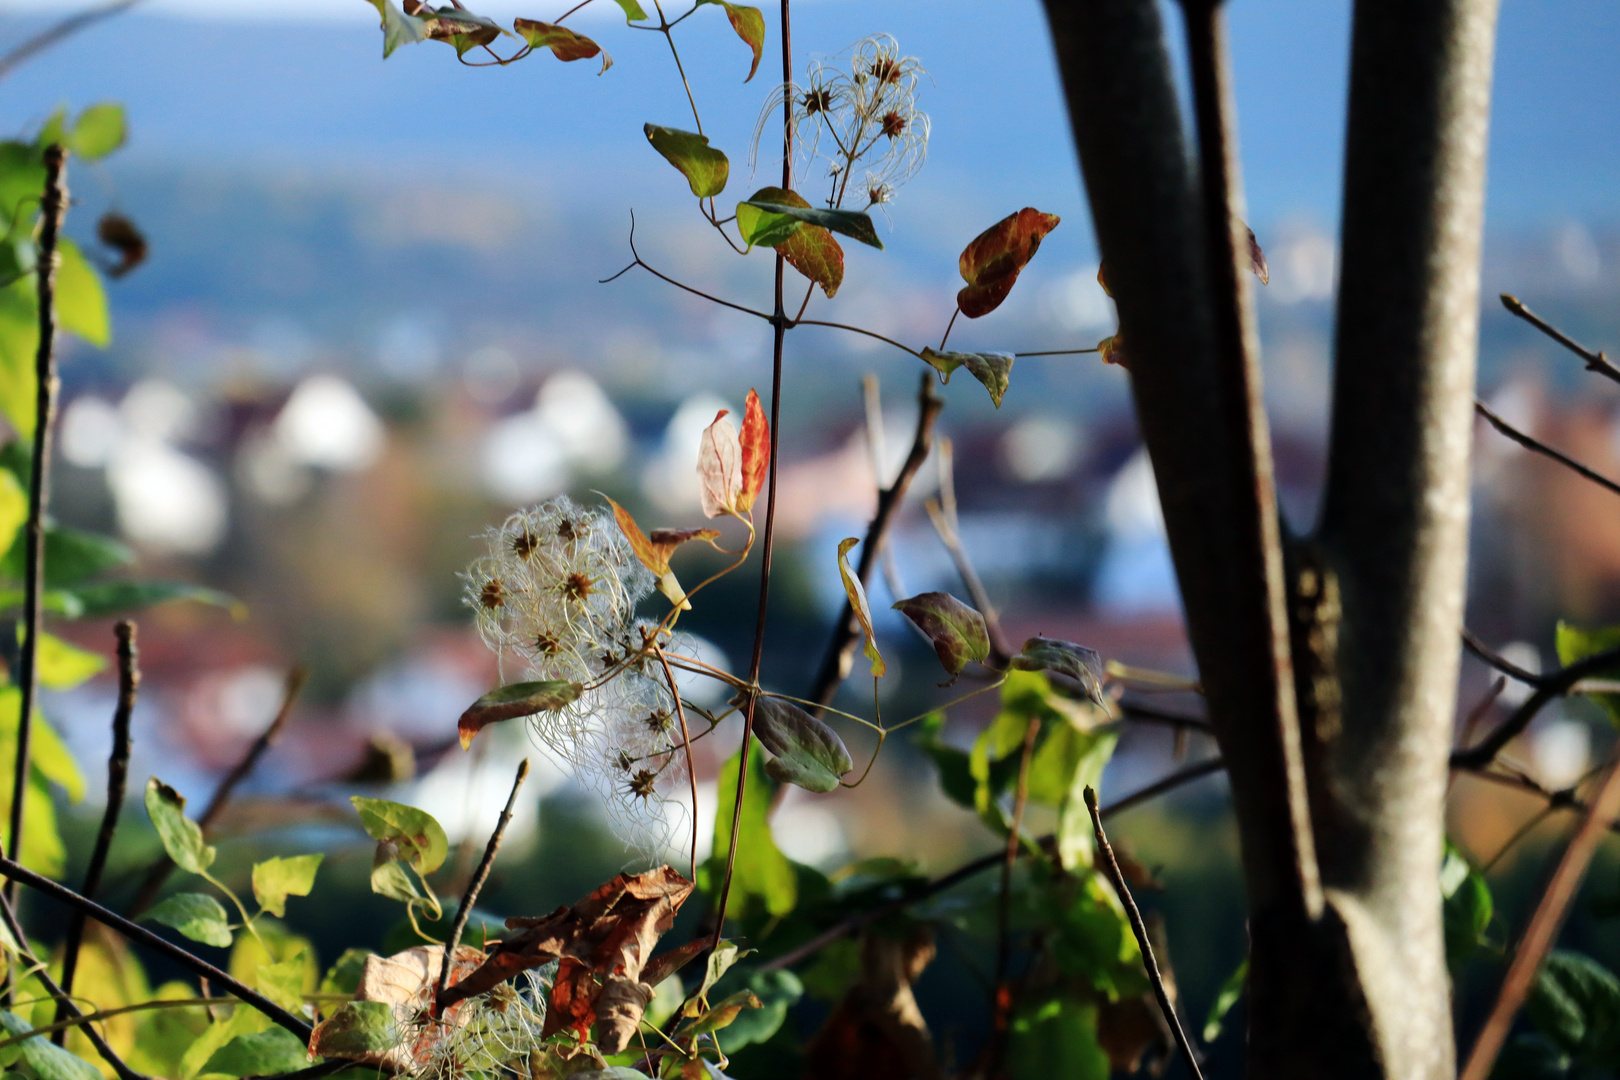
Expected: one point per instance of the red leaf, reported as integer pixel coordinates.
(572, 996)
(756, 451)
(992, 262)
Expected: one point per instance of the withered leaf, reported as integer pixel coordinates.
(1079, 663)
(992, 262)
(993, 369)
(808, 752)
(756, 451)
(957, 631)
(1257, 259)
(513, 700)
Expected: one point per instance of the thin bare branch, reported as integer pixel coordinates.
(1543, 449)
(1111, 868)
(942, 513)
(59, 32)
(1554, 684)
(1595, 361)
(481, 875)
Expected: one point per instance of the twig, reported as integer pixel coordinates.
(1595, 361)
(481, 875)
(112, 920)
(835, 661)
(1147, 714)
(9, 915)
(877, 452)
(978, 866)
(1542, 448)
(686, 744)
(1547, 687)
(66, 28)
(58, 1026)
(1003, 995)
(160, 871)
(1544, 924)
(53, 207)
(1111, 868)
(129, 681)
(942, 512)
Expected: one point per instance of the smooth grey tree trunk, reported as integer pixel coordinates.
(1328, 662)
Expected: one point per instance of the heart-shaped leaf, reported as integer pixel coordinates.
(993, 369)
(512, 700)
(853, 223)
(274, 1050)
(1079, 663)
(181, 837)
(750, 26)
(399, 28)
(197, 915)
(809, 249)
(276, 879)
(992, 262)
(705, 168)
(857, 602)
(807, 752)
(417, 837)
(957, 631)
(564, 44)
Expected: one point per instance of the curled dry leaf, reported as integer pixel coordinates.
(1257, 259)
(857, 602)
(877, 1032)
(756, 452)
(405, 983)
(655, 551)
(807, 752)
(993, 369)
(513, 700)
(1079, 663)
(957, 631)
(720, 467)
(126, 240)
(606, 938)
(1112, 351)
(992, 262)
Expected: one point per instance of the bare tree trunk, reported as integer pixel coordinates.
(1343, 760)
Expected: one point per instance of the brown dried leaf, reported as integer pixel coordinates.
(992, 262)
(1257, 259)
(877, 1032)
(406, 982)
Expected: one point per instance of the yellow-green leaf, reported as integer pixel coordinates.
(13, 508)
(857, 602)
(419, 838)
(98, 131)
(276, 879)
(62, 666)
(181, 837)
(705, 168)
(81, 303)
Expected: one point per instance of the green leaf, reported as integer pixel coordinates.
(762, 880)
(355, 1029)
(955, 771)
(56, 601)
(1079, 663)
(705, 168)
(121, 597)
(807, 752)
(766, 228)
(993, 369)
(1079, 756)
(14, 512)
(98, 131)
(343, 977)
(181, 837)
(1227, 996)
(750, 26)
(514, 700)
(81, 303)
(1576, 644)
(71, 556)
(857, 603)
(1053, 1038)
(776, 992)
(19, 340)
(62, 666)
(1576, 1003)
(721, 958)
(957, 631)
(632, 11)
(852, 223)
(197, 915)
(45, 1060)
(276, 879)
(420, 839)
(399, 28)
(1467, 907)
(272, 1051)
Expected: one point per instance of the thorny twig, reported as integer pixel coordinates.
(835, 661)
(1595, 361)
(160, 872)
(1111, 867)
(1544, 924)
(129, 681)
(1542, 448)
(112, 920)
(481, 875)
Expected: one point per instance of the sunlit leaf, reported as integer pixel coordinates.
(343, 977)
(1055, 1037)
(957, 631)
(81, 303)
(61, 666)
(276, 879)
(815, 253)
(98, 131)
(71, 555)
(1467, 906)
(460, 27)
(356, 1029)
(767, 228)
(181, 837)
(1112, 351)
(992, 262)
(1227, 996)
(807, 752)
(993, 369)
(719, 467)
(654, 551)
(197, 915)
(19, 342)
(857, 602)
(45, 1060)
(513, 700)
(756, 452)
(564, 44)
(1102, 279)
(1574, 644)
(705, 168)
(721, 959)
(852, 223)
(1079, 663)
(763, 880)
(274, 1050)
(750, 26)
(419, 838)
(13, 512)
(632, 11)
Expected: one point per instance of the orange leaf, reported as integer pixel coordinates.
(817, 254)
(857, 603)
(756, 452)
(651, 556)
(992, 262)
(573, 994)
(654, 551)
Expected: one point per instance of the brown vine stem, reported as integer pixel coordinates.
(160, 872)
(1595, 361)
(1552, 685)
(64, 1003)
(967, 871)
(686, 744)
(1544, 924)
(53, 207)
(60, 31)
(779, 323)
(481, 875)
(1003, 1000)
(129, 681)
(1539, 447)
(835, 661)
(113, 921)
(1111, 868)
